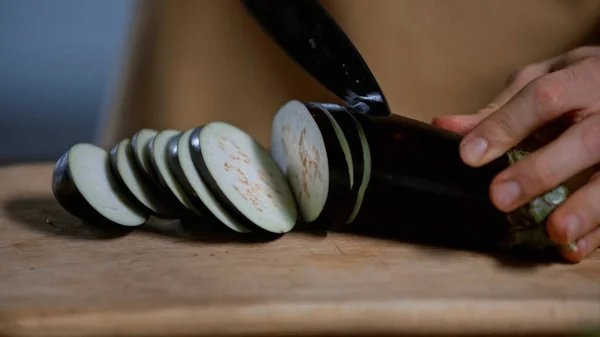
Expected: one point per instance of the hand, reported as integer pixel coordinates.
(556, 101)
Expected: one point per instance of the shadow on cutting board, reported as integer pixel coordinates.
(443, 242)
(45, 215)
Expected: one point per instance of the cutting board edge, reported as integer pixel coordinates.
(352, 317)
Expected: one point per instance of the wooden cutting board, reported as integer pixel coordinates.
(58, 278)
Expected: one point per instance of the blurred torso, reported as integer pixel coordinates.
(204, 60)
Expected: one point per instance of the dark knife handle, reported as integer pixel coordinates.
(310, 36)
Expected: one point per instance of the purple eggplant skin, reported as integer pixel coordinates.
(344, 120)
(70, 199)
(177, 171)
(213, 187)
(172, 210)
(341, 196)
(420, 185)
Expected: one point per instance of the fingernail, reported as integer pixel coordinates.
(473, 150)
(507, 193)
(571, 227)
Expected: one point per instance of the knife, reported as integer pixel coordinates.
(310, 36)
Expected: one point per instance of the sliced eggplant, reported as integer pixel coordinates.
(139, 147)
(366, 172)
(306, 148)
(127, 172)
(83, 184)
(158, 162)
(355, 148)
(243, 178)
(180, 162)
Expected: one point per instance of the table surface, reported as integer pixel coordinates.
(58, 277)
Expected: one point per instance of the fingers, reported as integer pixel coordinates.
(460, 124)
(577, 216)
(539, 102)
(517, 81)
(463, 124)
(574, 151)
(584, 247)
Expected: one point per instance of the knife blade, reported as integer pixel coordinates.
(310, 35)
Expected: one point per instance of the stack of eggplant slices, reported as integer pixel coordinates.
(316, 172)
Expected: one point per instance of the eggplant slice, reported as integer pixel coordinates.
(244, 179)
(139, 147)
(306, 148)
(127, 172)
(366, 172)
(83, 184)
(354, 149)
(158, 160)
(180, 162)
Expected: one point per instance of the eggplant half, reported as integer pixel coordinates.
(83, 184)
(243, 178)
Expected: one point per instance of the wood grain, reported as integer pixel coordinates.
(59, 277)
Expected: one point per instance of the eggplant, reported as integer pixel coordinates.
(180, 162)
(243, 178)
(420, 184)
(130, 175)
(158, 162)
(311, 155)
(83, 184)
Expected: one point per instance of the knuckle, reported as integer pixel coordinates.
(546, 94)
(500, 130)
(539, 176)
(590, 136)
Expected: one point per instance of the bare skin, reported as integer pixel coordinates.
(556, 101)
